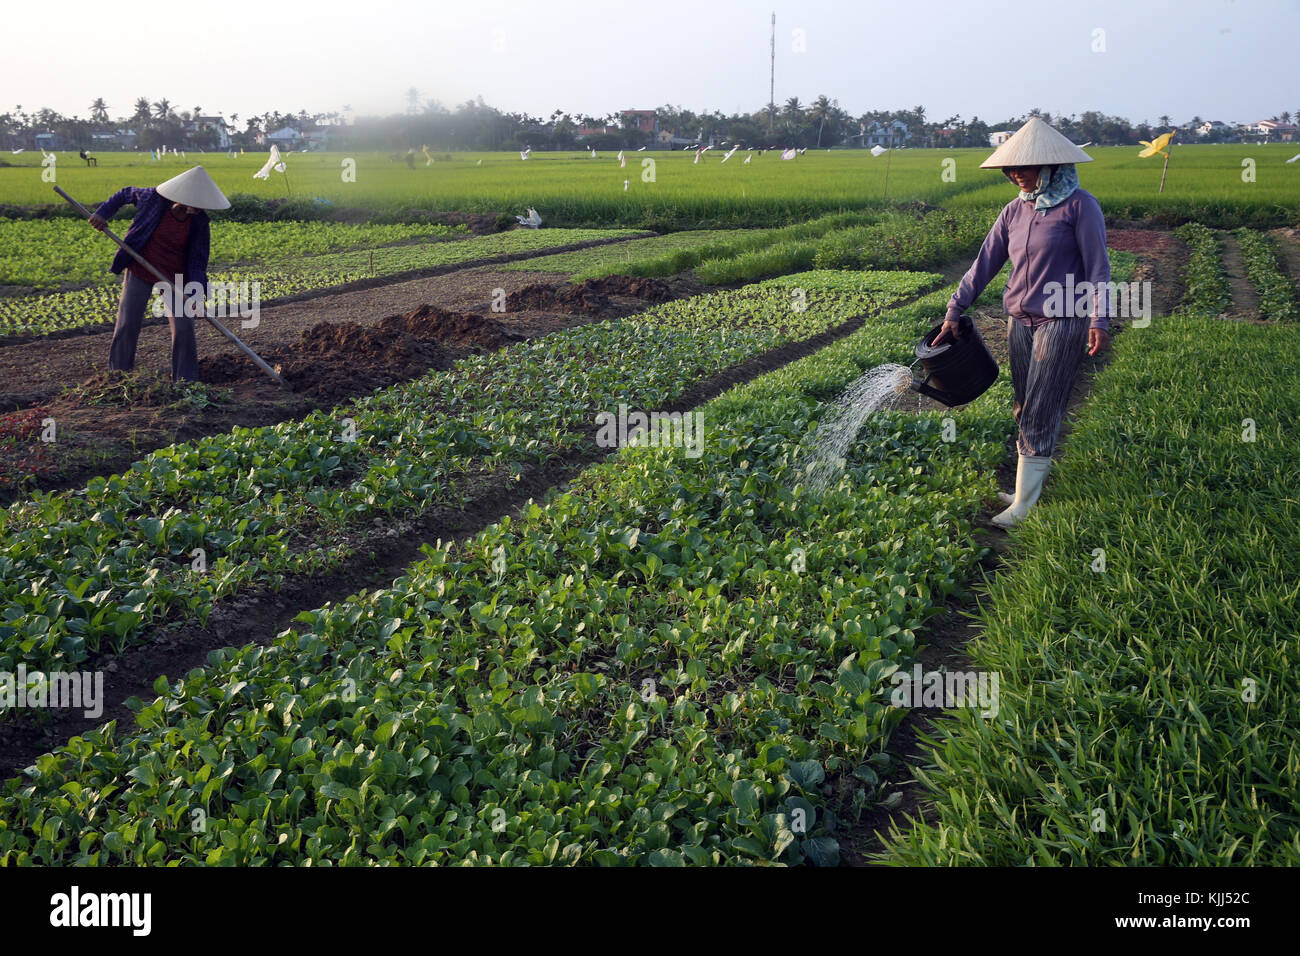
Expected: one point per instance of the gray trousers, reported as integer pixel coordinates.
(1044, 364)
(130, 315)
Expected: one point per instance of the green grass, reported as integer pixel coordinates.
(897, 240)
(1148, 713)
(570, 189)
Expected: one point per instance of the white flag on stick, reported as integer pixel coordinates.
(274, 162)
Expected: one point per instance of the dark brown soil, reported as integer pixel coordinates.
(1245, 300)
(329, 350)
(396, 289)
(592, 296)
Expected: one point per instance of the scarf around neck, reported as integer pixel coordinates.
(1060, 182)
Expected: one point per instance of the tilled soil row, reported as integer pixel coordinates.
(108, 420)
(379, 554)
(356, 285)
(1245, 300)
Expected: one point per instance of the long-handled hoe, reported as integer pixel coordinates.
(257, 359)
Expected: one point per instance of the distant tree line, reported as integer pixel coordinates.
(474, 125)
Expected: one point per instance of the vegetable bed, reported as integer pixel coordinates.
(1277, 293)
(46, 252)
(89, 571)
(638, 671)
(1148, 711)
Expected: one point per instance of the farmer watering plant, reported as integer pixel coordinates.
(1055, 236)
(171, 232)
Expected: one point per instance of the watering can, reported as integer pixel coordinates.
(958, 371)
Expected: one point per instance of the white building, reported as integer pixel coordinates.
(284, 136)
(1273, 130)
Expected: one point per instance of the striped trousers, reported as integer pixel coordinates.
(1045, 361)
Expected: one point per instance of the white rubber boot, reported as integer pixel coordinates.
(1031, 471)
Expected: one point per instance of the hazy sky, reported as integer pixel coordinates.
(1221, 59)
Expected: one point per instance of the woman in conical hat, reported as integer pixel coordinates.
(1055, 236)
(171, 231)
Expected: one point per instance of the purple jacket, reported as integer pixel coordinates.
(149, 209)
(1065, 244)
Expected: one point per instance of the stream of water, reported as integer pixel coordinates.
(836, 434)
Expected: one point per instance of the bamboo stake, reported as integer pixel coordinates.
(1168, 152)
(257, 359)
(888, 159)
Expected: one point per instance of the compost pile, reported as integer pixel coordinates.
(591, 296)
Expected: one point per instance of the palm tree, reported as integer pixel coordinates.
(792, 111)
(917, 120)
(819, 111)
(141, 110)
(1286, 117)
(162, 109)
(198, 111)
(99, 110)
(1164, 120)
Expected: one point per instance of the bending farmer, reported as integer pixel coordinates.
(1055, 236)
(170, 230)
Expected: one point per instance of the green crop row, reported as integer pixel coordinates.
(668, 664)
(88, 571)
(39, 314)
(1145, 633)
(1207, 282)
(896, 241)
(652, 256)
(677, 252)
(1277, 293)
(47, 252)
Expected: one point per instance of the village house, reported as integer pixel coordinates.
(1274, 131)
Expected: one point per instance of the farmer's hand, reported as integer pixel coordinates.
(949, 331)
(1098, 339)
(98, 221)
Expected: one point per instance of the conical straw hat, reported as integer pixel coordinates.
(194, 187)
(1036, 144)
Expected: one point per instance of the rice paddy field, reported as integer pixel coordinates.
(571, 189)
(413, 609)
